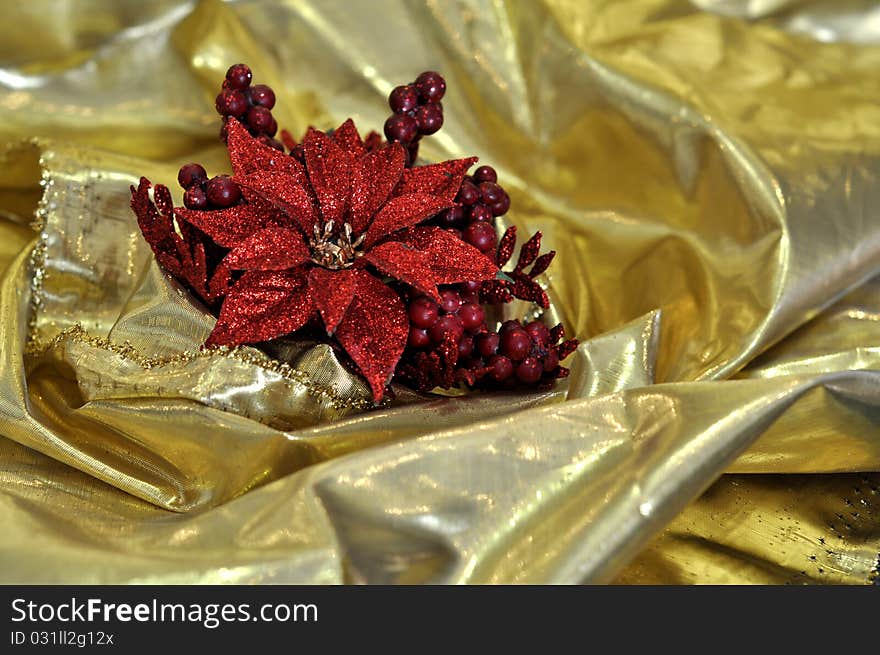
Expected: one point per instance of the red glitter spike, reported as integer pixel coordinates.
(506, 246)
(373, 141)
(542, 263)
(332, 292)
(402, 212)
(374, 331)
(286, 194)
(288, 140)
(228, 227)
(270, 249)
(329, 169)
(247, 155)
(451, 259)
(346, 137)
(263, 305)
(407, 264)
(373, 178)
(443, 179)
(528, 252)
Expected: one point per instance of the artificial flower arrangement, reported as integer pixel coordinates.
(393, 261)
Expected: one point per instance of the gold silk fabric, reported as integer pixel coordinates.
(709, 174)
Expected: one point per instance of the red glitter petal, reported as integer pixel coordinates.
(407, 264)
(542, 263)
(284, 192)
(443, 179)
(373, 178)
(329, 168)
(506, 246)
(229, 227)
(528, 252)
(374, 331)
(401, 212)
(157, 228)
(332, 292)
(247, 155)
(452, 260)
(271, 249)
(288, 140)
(347, 138)
(263, 305)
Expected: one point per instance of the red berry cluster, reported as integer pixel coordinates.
(479, 202)
(251, 105)
(219, 192)
(417, 111)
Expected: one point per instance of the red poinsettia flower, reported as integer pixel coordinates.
(322, 237)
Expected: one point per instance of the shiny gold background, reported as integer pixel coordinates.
(707, 171)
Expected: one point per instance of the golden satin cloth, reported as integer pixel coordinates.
(708, 173)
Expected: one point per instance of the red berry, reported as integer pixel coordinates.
(190, 174)
(423, 312)
(551, 361)
(485, 174)
(480, 212)
(259, 119)
(238, 76)
(222, 191)
(516, 344)
(418, 338)
(509, 325)
(431, 86)
(468, 194)
(500, 208)
(487, 344)
(470, 298)
(262, 96)
(449, 324)
(529, 370)
(480, 235)
(490, 192)
(429, 118)
(231, 103)
(450, 217)
(450, 301)
(502, 368)
(472, 316)
(538, 332)
(195, 198)
(465, 346)
(472, 286)
(401, 127)
(403, 99)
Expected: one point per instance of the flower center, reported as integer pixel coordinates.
(334, 251)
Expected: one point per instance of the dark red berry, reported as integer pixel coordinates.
(431, 86)
(470, 297)
(516, 344)
(273, 128)
(551, 361)
(465, 346)
(450, 217)
(259, 119)
(538, 332)
(529, 370)
(190, 174)
(403, 99)
(450, 301)
(487, 344)
(423, 312)
(468, 194)
(471, 286)
(472, 316)
(509, 325)
(238, 76)
(502, 368)
(490, 193)
(480, 235)
(231, 103)
(401, 127)
(449, 324)
(485, 174)
(480, 212)
(500, 208)
(429, 118)
(222, 191)
(195, 198)
(262, 96)
(418, 338)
